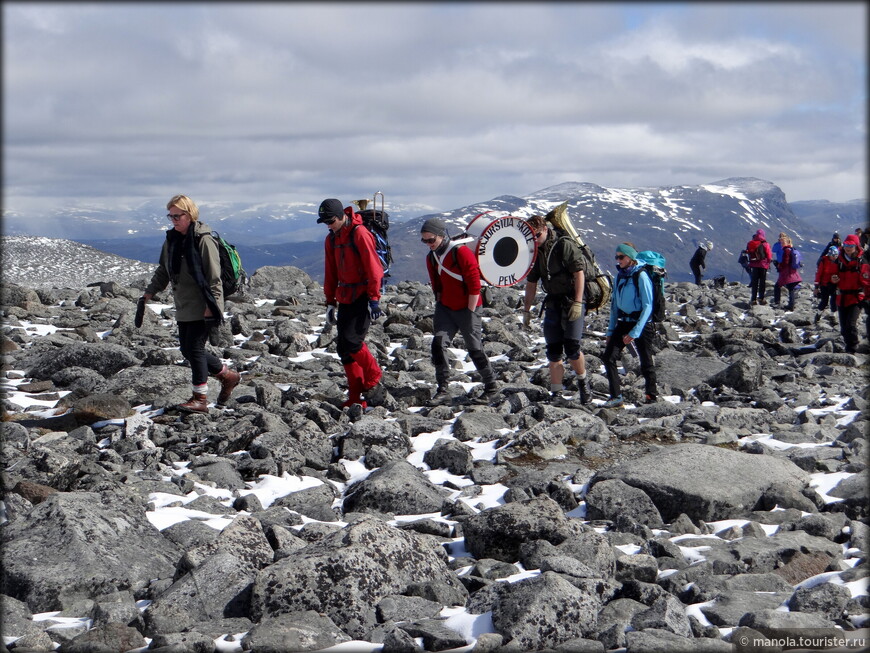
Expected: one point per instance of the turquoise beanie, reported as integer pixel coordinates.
(628, 250)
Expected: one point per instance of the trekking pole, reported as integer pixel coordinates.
(375, 201)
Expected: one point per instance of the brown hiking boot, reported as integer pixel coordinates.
(229, 380)
(196, 404)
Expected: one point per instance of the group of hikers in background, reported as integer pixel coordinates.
(841, 283)
(191, 262)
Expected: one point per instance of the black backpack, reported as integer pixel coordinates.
(377, 221)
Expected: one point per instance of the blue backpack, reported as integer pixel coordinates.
(796, 259)
(654, 265)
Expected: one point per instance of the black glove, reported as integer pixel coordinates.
(140, 312)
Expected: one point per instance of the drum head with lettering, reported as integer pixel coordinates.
(505, 247)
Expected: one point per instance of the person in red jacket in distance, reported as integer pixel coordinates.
(825, 289)
(352, 285)
(455, 277)
(850, 290)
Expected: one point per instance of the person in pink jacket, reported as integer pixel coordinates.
(789, 276)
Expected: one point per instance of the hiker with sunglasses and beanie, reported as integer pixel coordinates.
(631, 306)
(352, 285)
(455, 277)
(190, 261)
(559, 266)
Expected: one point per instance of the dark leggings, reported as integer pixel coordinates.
(613, 351)
(849, 325)
(758, 281)
(192, 337)
(828, 296)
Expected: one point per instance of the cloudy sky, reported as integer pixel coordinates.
(439, 105)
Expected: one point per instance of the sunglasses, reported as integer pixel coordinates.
(175, 217)
(428, 241)
(329, 221)
(619, 257)
(538, 234)
(849, 245)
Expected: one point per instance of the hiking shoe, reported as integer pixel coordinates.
(614, 402)
(350, 404)
(817, 318)
(763, 302)
(229, 380)
(755, 302)
(376, 395)
(650, 399)
(441, 396)
(585, 391)
(196, 404)
(490, 390)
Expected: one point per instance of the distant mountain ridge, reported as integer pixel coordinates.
(671, 220)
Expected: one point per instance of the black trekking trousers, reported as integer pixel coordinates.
(192, 337)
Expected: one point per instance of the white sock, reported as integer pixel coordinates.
(581, 376)
(201, 389)
(556, 387)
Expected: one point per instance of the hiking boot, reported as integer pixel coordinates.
(197, 403)
(376, 395)
(441, 396)
(614, 402)
(490, 390)
(817, 318)
(763, 302)
(350, 404)
(585, 391)
(229, 380)
(650, 399)
(755, 302)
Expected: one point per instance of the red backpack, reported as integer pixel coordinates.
(756, 250)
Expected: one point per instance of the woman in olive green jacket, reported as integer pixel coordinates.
(190, 261)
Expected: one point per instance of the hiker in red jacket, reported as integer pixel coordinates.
(455, 276)
(825, 289)
(865, 284)
(850, 290)
(352, 285)
(759, 263)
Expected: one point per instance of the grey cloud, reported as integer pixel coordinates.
(443, 103)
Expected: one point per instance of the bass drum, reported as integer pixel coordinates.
(504, 245)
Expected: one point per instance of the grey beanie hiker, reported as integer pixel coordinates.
(435, 226)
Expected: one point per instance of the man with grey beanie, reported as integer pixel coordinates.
(455, 276)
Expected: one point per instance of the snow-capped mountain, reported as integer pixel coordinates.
(39, 262)
(670, 220)
(249, 224)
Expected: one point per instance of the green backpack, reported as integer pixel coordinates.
(233, 275)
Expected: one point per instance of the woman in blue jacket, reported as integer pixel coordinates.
(630, 325)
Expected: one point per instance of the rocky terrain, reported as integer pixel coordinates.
(736, 507)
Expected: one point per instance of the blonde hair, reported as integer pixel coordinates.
(186, 204)
(786, 241)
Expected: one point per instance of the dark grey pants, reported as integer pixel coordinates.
(448, 323)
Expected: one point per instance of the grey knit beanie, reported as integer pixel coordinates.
(435, 226)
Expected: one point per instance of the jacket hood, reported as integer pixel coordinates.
(355, 218)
